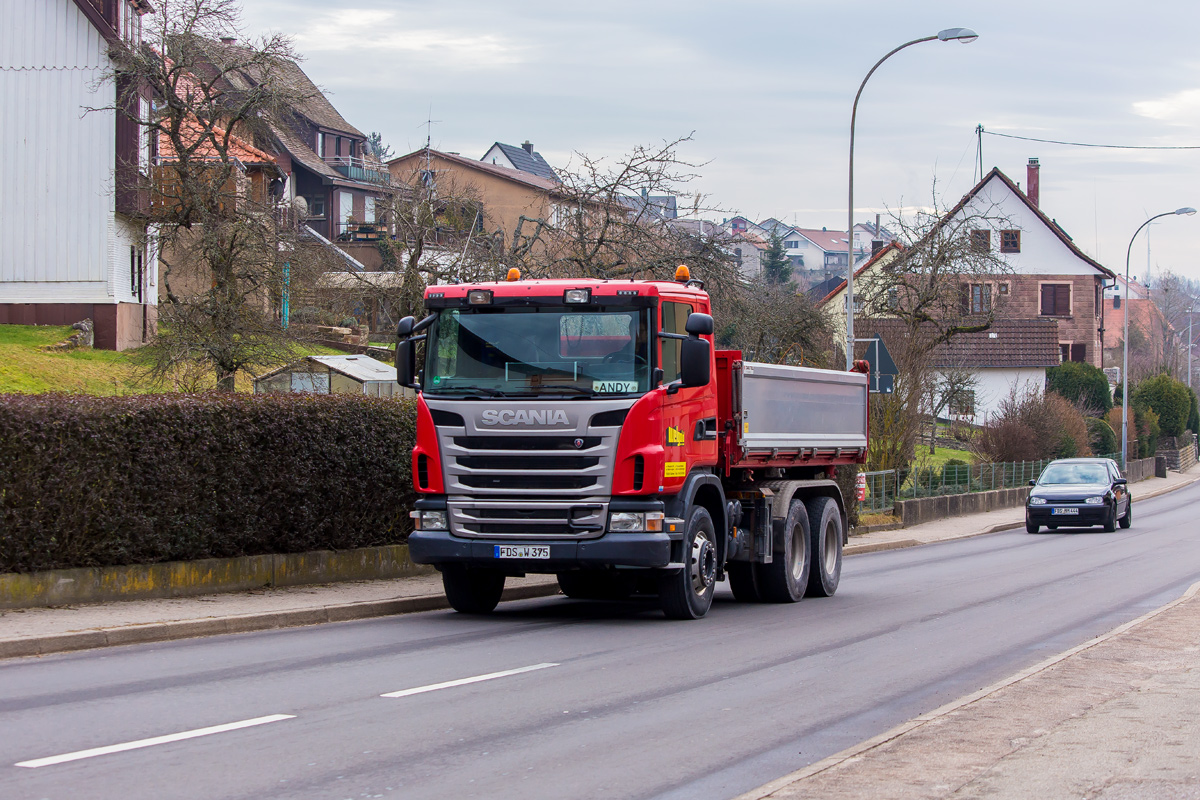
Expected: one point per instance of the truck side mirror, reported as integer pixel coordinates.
(695, 360)
(406, 349)
(699, 325)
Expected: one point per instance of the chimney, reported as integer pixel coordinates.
(527, 146)
(1032, 183)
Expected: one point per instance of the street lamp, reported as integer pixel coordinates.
(963, 35)
(1125, 354)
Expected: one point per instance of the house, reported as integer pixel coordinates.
(506, 194)
(1049, 276)
(869, 238)
(522, 159)
(323, 158)
(1011, 356)
(833, 301)
(76, 244)
(333, 375)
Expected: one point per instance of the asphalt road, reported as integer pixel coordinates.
(617, 701)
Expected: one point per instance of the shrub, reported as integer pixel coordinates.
(1168, 398)
(1082, 384)
(99, 481)
(1102, 437)
(1033, 426)
(1148, 431)
(1194, 414)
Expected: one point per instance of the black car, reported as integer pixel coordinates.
(1079, 492)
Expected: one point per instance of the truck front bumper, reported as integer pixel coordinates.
(613, 549)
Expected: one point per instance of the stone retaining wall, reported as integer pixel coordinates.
(204, 576)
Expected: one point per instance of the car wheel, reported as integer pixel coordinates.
(1030, 527)
(1127, 520)
(1110, 522)
(688, 593)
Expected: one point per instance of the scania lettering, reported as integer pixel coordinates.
(590, 430)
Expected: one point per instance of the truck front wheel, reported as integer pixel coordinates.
(688, 593)
(472, 591)
(825, 519)
(785, 579)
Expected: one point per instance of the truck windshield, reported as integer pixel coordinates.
(540, 350)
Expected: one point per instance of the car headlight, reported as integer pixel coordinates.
(1037, 501)
(1094, 501)
(635, 521)
(429, 520)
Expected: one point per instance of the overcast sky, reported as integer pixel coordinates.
(767, 88)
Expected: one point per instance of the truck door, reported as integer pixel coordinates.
(689, 415)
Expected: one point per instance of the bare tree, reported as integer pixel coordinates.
(607, 220)
(771, 322)
(943, 284)
(210, 206)
(1174, 296)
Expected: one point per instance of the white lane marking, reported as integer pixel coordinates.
(172, 737)
(433, 687)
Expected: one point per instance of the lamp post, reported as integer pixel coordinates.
(963, 35)
(1125, 354)
(1191, 311)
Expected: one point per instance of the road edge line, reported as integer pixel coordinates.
(921, 720)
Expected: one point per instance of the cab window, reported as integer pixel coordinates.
(674, 320)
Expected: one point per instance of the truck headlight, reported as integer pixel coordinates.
(635, 521)
(1094, 501)
(429, 520)
(1037, 501)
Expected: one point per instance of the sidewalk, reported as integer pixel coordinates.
(39, 631)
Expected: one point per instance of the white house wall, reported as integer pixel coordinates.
(57, 170)
(996, 384)
(1042, 252)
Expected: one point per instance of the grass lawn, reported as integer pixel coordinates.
(941, 455)
(27, 368)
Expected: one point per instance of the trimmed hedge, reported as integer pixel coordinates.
(1170, 400)
(101, 481)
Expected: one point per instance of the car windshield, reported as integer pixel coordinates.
(541, 350)
(1057, 474)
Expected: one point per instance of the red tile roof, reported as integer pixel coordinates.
(192, 132)
(1008, 344)
(515, 175)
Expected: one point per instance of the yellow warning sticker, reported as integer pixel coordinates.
(675, 469)
(745, 427)
(674, 436)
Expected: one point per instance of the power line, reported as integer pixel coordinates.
(980, 129)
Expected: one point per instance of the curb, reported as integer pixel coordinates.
(863, 748)
(242, 623)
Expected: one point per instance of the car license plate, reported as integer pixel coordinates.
(1061, 511)
(522, 551)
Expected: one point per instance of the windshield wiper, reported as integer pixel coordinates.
(477, 391)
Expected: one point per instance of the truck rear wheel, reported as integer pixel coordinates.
(825, 520)
(743, 581)
(688, 593)
(472, 591)
(785, 579)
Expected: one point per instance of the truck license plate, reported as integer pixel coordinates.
(522, 551)
(1060, 511)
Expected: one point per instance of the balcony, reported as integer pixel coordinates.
(358, 169)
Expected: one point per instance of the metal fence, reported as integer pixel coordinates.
(886, 487)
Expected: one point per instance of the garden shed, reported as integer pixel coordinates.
(357, 374)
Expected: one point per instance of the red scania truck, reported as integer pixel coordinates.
(589, 429)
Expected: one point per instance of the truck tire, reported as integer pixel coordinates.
(688, 593)
(1127, 520)
(825, 521)
(472, 591)
(743, 582)
(595, 584)
(785, 579)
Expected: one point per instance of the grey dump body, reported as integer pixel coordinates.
(798, 408)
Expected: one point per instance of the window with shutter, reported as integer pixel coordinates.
(1056, 300)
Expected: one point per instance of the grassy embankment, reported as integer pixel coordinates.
(26, 367)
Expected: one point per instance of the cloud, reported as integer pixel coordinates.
(1180, 108)
(357, 30)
